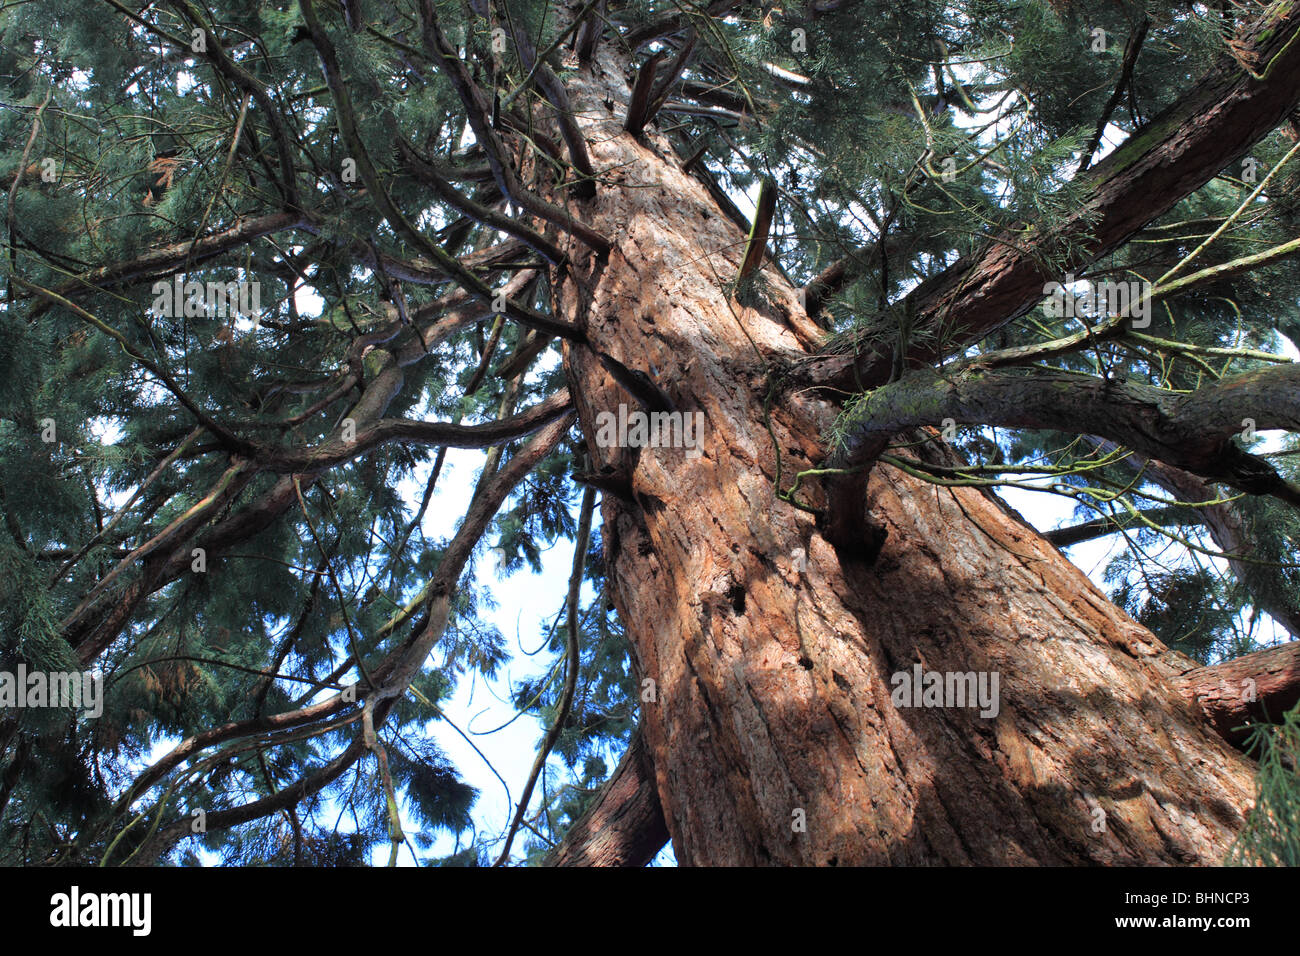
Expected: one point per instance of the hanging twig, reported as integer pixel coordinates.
(570, 673)
(1125, 79)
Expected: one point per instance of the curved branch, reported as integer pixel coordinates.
(242, 79)
(445, 434)
(1191, 431)
(166, 260)
(625, 825)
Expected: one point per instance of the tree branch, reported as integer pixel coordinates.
(428, 174)
(624, 826)
(558, 97)
(445, 434)
(1131, 51)
(1100, 527)
(394, 675)
(1191, 431)
(1223, 692)
(347, 124)
(1225, 524)
(1207, 129)
(502, 169)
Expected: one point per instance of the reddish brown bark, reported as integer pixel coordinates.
(1258, 687)
(625, 825)
(773, 657)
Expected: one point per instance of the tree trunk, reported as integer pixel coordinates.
(773, 736)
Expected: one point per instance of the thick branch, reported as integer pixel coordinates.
(1191, 431)
(1203, 132)
(756, 244)
(589, 33)
(1224, 692)
(638, 107)
(166, 260)
(624, 826)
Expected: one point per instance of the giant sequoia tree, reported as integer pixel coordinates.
(265, 260)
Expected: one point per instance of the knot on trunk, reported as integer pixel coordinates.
(724, 593)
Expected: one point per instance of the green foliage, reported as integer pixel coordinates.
(1271, 836)
(1184, 608)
